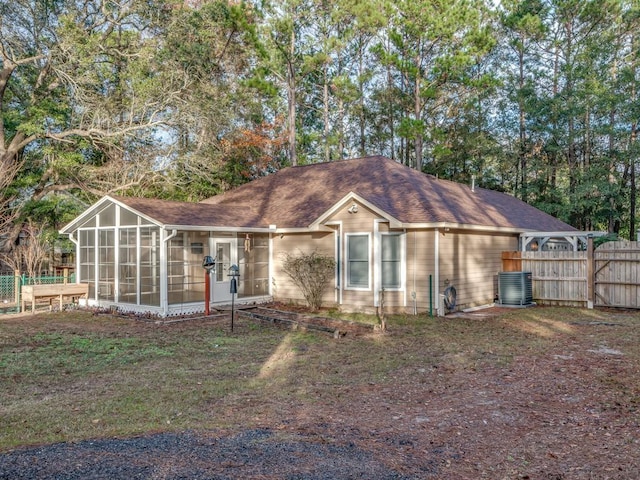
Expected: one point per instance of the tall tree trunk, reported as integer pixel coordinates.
(572, 160)
(341, 135)
(390, 111)
(522, 133)
(325, 113)
(632, 146)
(611, 227)
(362, 119)
(291, 98)
(632, 185)
(554, 126)
(417, 112)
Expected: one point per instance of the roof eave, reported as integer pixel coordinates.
(209, 228)
(563, 233)
(462, 226)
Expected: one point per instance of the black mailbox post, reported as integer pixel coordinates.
(209, 265)
(234, 273)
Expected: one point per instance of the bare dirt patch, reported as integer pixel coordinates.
(538, 394)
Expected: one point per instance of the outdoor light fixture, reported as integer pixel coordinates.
(234, 273)
(209, 265)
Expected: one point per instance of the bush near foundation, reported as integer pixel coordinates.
(312, 273)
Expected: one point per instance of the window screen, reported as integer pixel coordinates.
(391, 261)
(358, 261)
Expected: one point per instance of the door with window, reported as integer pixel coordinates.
(221, 282)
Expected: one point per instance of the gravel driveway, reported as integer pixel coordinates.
(252, 454)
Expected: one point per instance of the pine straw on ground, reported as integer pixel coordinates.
(544, 393)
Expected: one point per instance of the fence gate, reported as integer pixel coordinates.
(616, 272)
(559, 277)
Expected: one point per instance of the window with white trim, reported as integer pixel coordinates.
(358, 261)
(391, 260)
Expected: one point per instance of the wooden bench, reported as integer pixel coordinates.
(55, 290)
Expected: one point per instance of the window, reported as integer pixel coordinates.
(391, 253)
(253, 260)
(150, 266)
(106, 264)
(186, 275)
(128, 271)
(358, 261)
(108, 216)
(87, 241)
(128, 218)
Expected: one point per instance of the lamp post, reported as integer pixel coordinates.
(234, 273)
(209, 265)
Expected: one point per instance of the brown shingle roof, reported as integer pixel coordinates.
(168, 212)
(295, 197)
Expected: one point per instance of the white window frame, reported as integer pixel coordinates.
(401, 261)
(347, 273)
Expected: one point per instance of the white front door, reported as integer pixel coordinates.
(224, 256)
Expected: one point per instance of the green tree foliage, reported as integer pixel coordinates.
(214, 48)
(187, 98)
(81, 98)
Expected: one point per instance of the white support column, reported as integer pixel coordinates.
(436, 275)
(116, 256)
(376, 262)
(164, 259)
(138, 270)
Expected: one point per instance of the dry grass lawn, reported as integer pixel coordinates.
(532, 393)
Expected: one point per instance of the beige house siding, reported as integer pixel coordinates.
(471, 262)
(420, 264)
(282, 287)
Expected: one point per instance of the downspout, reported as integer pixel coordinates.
(436, 253)
(270, 282)
(173, 234)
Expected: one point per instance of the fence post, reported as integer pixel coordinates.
(16, 288)
(65, 275)
(590, 273)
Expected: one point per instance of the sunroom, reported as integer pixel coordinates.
(146, 256)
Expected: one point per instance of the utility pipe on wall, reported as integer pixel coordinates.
(436, 252)
(431, 295)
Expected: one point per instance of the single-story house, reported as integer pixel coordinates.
(388, 227)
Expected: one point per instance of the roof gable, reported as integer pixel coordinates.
(350, 198)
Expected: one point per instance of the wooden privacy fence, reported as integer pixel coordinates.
(558, 277)
(616, 271)
(608, 276)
